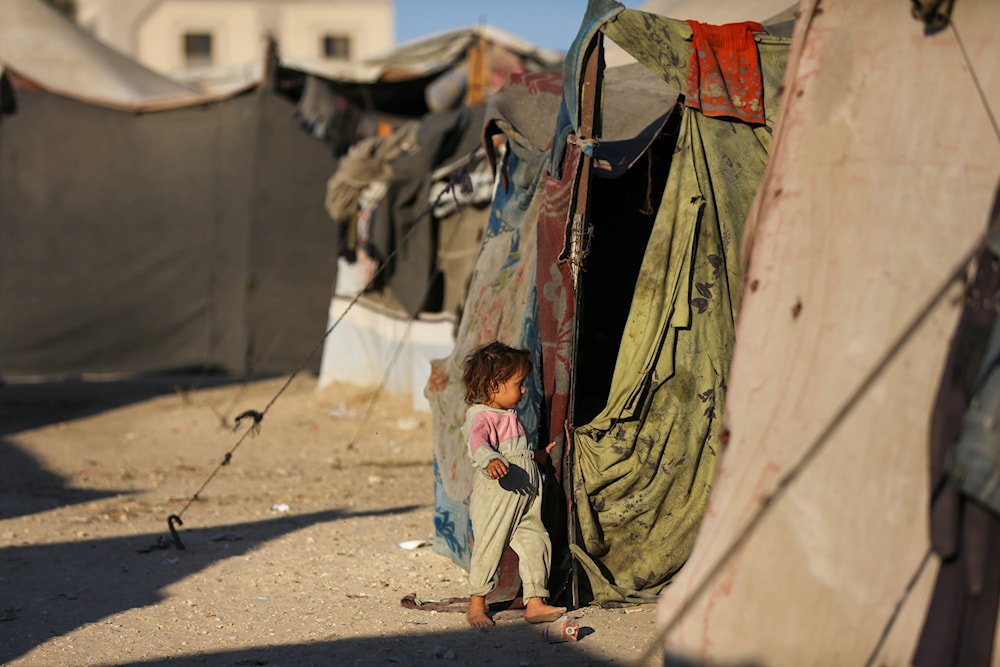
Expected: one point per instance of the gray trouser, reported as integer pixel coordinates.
(509, 511)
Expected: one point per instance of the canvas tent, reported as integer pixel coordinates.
(839, 531)
(612, 254)
(411, 230)
(393, 308)
(437, 73)
(148, 228)
(43, 47)
(398, 80)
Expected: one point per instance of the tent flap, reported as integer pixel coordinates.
(644, 465)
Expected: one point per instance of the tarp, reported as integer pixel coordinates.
(816, 548)
(427, 73)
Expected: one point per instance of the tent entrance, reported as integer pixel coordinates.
(622, 212)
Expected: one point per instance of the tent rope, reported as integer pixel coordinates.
(975, 80)
(369, 408)
(813, 450)
(898, 607)
(223, 416)
(459, 178)
(911, 584)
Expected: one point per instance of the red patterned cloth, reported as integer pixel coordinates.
(724, 71)
(556, 303)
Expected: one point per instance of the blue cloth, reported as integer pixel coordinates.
(507, 237)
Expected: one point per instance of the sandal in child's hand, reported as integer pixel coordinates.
(496, 469)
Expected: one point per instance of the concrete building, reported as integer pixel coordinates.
(188, 38)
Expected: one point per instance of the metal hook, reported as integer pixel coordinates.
(256, 416)
(173, 531)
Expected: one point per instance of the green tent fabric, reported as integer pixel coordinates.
(643, 466)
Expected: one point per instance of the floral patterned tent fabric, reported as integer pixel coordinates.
(500, 305)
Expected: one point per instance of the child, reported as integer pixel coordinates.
(505, 505)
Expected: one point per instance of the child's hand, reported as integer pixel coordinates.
(542, 455)
(496, 469)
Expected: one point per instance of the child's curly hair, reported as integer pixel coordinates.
(489, 367)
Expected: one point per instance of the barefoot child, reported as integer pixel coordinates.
(505, 505)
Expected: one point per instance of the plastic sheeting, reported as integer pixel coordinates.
(379, 347)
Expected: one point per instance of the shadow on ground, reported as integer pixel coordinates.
(500, 646)
(26, 486)
(464, 647)
(28, 405)
(49, 590)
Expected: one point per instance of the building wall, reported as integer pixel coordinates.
(235, 28)
(153, 31)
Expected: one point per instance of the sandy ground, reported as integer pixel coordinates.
(292, 551)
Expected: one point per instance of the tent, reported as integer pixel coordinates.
(147, 227)
(420, 75)
(612, 254)
(848, 523)
(411, 193)
(43, 47)
(394, 306)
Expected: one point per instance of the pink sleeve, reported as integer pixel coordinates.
(481, 435)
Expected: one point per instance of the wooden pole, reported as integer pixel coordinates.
(588, 135)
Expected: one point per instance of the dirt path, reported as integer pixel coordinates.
(292, 549)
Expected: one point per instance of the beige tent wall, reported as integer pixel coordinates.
(44, 46)
(880, 182)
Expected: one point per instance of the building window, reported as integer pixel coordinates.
(336, 47)
(197, 49)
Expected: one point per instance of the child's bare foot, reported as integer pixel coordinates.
(476, 615)
(478, 619)
(536, 611)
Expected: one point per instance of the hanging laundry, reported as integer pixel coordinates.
(724, 77)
